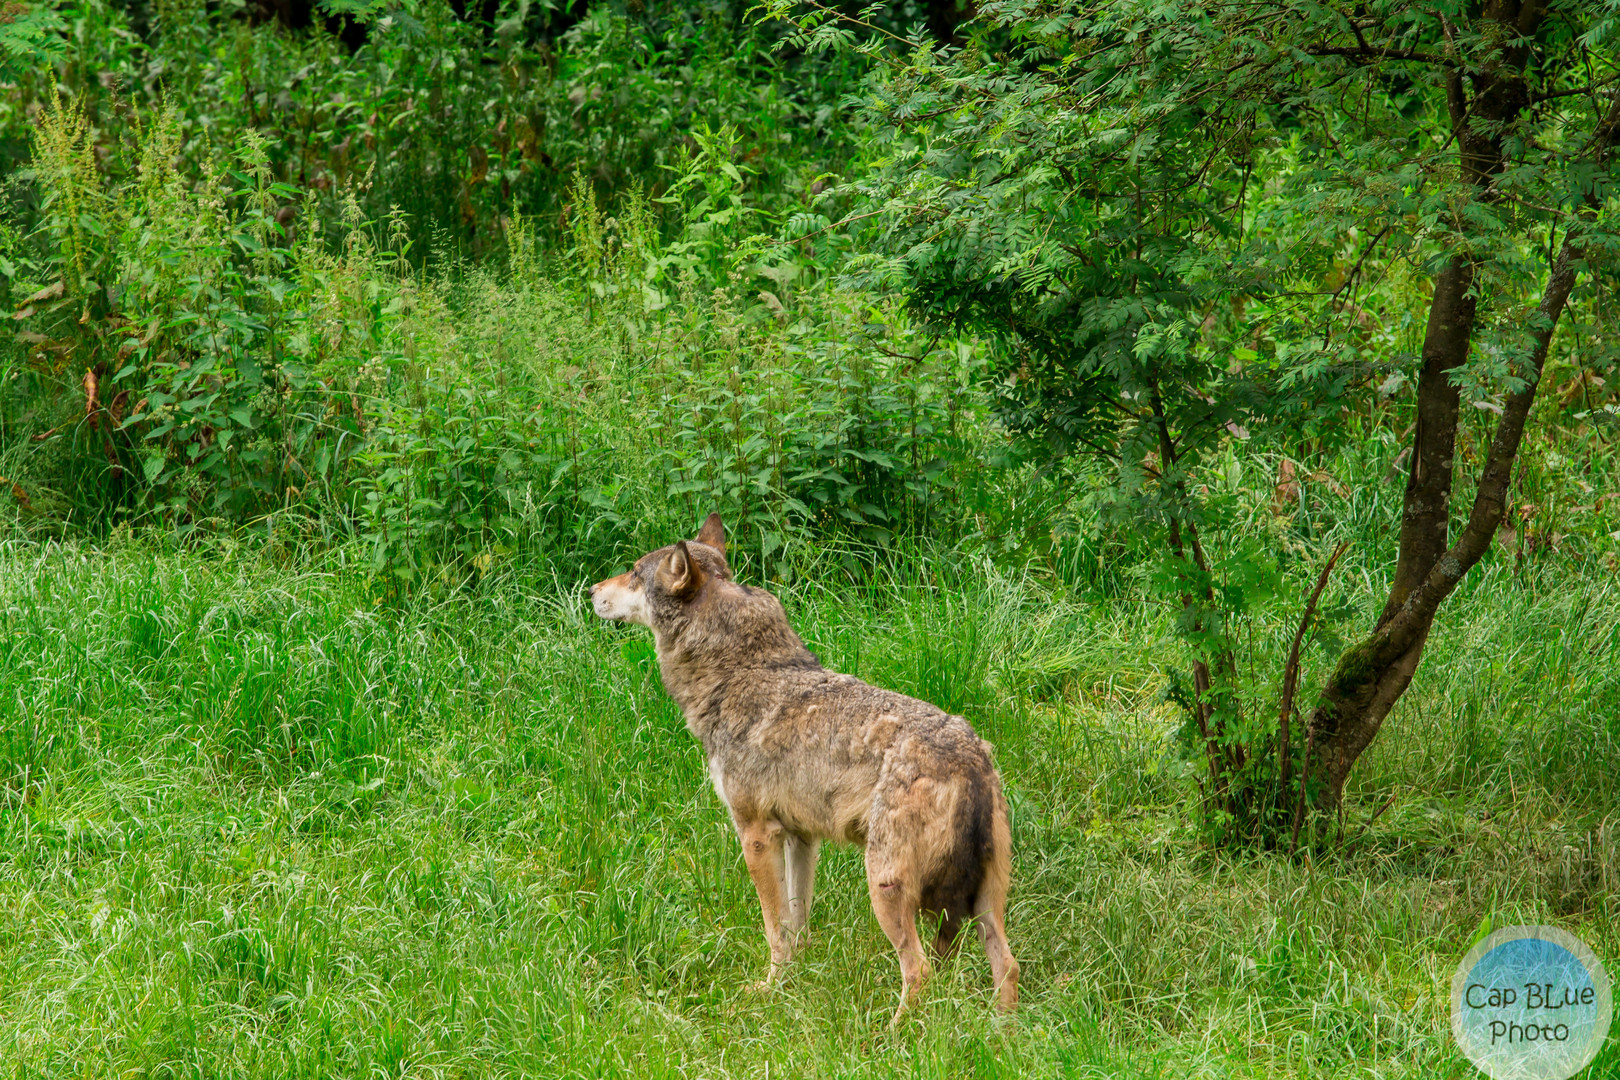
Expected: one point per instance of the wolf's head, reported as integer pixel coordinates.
(664, 581)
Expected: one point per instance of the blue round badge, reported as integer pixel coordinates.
(1530, 1003)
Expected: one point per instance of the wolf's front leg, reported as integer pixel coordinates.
(762, 843)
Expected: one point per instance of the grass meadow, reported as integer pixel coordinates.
(258, 823)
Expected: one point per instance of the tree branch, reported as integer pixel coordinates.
(1291, 671)
(1363, 52)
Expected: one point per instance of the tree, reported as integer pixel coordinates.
(1163, 214)
(1532, 109)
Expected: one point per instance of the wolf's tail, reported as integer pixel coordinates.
(953, 891)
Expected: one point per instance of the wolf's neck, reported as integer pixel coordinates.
(699, 671)
(698, 688)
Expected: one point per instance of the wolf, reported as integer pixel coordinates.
(800, 755)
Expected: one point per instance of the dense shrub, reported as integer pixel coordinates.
(196, 364)
(454, 122)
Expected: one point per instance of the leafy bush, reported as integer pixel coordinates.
(211, 358)
(238, 371)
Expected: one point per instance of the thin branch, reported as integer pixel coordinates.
(1350, 279)
(1291, 670)
(1589, 88)
(1361, 53)
(862, 23)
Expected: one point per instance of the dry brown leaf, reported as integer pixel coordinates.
(1285, 496)
(49, 292)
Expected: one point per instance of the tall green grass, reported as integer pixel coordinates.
(254, 822)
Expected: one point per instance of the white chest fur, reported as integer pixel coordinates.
(718, 776)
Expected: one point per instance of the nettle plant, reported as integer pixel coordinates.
(797, 408)
(458, 115)
(212, 364)
(1191, 223)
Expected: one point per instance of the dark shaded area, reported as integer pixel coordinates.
(541, 24)
(947, 19)
(300, 14)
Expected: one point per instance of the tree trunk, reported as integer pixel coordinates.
(1427, 507)
(1372, 675)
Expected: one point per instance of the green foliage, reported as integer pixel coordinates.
(209, 355)
(456, 123)
(30, 34)
(1189, 226)
(1036, 382)
(249, 351)
(234, 374)
(1125, 297)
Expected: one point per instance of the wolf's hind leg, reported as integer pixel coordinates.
(801, 854)
(767, 865)
(990, 911)
(895, 902)
(993, 932)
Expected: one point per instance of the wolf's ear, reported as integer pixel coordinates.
(680, 571)
(713, 533)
